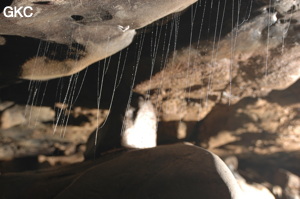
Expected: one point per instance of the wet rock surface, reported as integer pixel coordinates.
(234, 92)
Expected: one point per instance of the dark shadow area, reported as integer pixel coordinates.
(286, 97)
(42, 2)
(18, 50)
(266, 165)
(222, 115)
(4, 3)
(19, 165)
(249, 139)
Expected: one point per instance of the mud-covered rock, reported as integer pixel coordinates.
(162, 172)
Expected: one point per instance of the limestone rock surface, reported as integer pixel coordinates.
(228, 85)
(64, 37)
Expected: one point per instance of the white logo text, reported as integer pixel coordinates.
(10, 11)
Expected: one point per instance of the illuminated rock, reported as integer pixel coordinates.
(64, 37)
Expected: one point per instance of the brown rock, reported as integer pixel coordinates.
(289, 182)
(17, 114)
(64, 37)
(264, 57)
(172, 171)
(19, 142)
